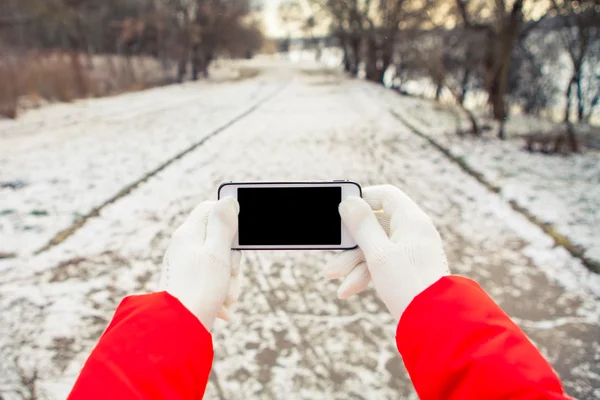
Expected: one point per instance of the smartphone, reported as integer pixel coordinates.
(291, 215)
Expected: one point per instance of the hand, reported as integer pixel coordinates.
(199, 267)
(399, 248)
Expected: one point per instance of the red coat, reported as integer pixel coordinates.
(455, 341)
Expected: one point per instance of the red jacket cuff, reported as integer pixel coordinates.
(153, 348)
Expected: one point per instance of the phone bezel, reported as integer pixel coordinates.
(349, 188)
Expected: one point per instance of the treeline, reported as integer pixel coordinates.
(59, 50)
(193, 32)
(516, 51)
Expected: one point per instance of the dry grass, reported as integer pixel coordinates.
(30, 80)
(8, 90)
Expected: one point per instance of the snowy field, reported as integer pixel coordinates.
(72, 157)
(561, 190)
(291, 339)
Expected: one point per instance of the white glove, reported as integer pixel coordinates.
(399, 248)
(199, 267)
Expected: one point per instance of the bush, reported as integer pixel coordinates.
(28, 80)
(54, 76)
(8, 89)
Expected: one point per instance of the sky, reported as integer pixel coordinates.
(272, 25)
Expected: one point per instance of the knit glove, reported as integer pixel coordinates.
(400, 250)
(199, 267)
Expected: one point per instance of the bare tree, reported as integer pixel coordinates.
(581, 36)
(390, 21)
(451, 61)
(369, 30)
(181, 29)
(503, 26)
(532, 79)
(349, 24)
(408, 62)
(221, 28)
(462, 54)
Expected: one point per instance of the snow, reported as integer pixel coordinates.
(561, 190)
(290, 334)
(72, 163)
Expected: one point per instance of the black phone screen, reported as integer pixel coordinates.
(279, 216)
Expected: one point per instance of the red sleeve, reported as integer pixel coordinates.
(457, 343)
(154, 348)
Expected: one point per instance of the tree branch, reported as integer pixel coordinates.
(530, 27)
(462, 8)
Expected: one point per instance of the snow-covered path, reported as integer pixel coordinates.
(292, 338)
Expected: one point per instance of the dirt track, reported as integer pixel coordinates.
(292, 338)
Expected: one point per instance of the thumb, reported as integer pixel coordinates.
(363, 226)
(221, 227)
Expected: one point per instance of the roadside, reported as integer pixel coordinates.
(59, 163)
(559, 193)
(53, 77)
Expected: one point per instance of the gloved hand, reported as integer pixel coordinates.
(399, 248)
(199, 267)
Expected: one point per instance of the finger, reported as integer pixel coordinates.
(415, 228)
(235, 284)
(387, 198)
(236, 257)
(195, 224)
(363, 226)
(384, 221)
(233, 294)
(356, 281)
(394, 203)
(225, 314)
(343, 263)
(221, 228)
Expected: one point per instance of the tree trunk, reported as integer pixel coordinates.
(568, 96)
(475, 130)
(355, 59)
(346, 61)
(197, 61)
(572, 138)
(499, 82)
(501, 133)
(346, 51)
(195, 67)
(463, 87)
(182, 66)
(371, 61)
(375, 70)
(438, 91)
(580, 100)
(209, 57)
(593, 105)
(375, 73)
(184, 49)
(501, 66)
(474, 126)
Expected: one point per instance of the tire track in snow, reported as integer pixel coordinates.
(141, 104)
(65, 233)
